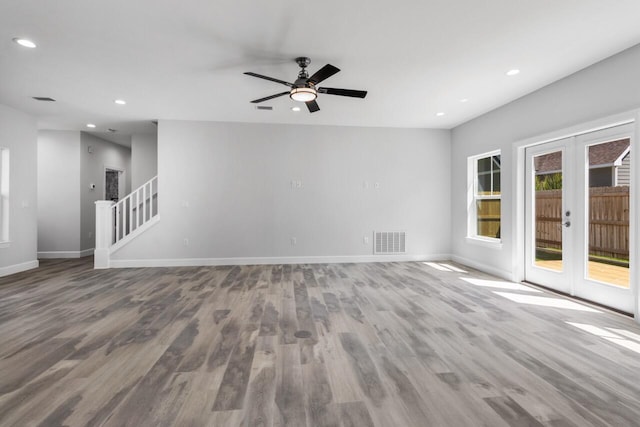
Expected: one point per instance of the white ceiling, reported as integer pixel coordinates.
(184, 60)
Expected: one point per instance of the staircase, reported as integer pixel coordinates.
(119, 223)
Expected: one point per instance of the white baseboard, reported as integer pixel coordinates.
(193, 262)
(506, 275)
(18, 268)
(65, 254)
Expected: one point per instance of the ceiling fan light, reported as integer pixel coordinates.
(303, 94)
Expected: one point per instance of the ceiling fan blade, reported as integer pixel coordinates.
(266, 98)
(343, 92)
(323, 74)
(312, 106)
(260, 76)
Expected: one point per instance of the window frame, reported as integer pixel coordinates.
(4, 197)
(473, 197)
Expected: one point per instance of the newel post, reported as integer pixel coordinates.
(104, 233)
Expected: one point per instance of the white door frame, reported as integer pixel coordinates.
(518, 207)
(560, 280)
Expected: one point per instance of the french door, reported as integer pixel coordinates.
(577, 216)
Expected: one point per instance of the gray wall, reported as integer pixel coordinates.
(66, 168)
(144, 159)
(58, 191)
(606, 88)
(226, 187)
(18, 134)
(92, 170)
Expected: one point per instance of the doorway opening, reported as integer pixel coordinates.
(113, 184)
(578, 216)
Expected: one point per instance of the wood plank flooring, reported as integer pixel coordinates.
(385, 344)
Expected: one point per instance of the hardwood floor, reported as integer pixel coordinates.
(389, 344)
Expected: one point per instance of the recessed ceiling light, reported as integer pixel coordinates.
(295, 108)
(463, 100)
(120, 101)
(91, 125)
(440, 114)
(513, 72)
(24, 42)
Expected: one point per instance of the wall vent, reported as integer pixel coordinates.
(264, 107)
(389, 242)
(44, 98)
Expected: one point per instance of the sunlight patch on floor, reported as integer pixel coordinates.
(499, 284)
(546, 302)
(453, 267)
(610, 336)
(437, 266)
(626, 333)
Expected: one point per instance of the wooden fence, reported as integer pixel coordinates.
(608, 221)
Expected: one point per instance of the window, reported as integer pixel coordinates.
(4, 195)
(484, 188)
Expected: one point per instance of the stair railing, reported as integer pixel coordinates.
(135, 209)
(117, 221)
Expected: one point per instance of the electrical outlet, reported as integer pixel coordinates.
(294, 241)
(365, 240)
(185, 242)
(377, 185)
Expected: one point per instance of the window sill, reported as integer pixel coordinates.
(487, 242)
(5, 244)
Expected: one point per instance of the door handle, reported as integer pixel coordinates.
(567, 224)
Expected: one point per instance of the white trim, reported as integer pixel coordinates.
(518, 169)
(503, 274)
(472, 197)
(18, 268)
(518, 206)
(65, 254)
(192, 262)
(486, 242)
(634, 205)
(580, 129)
(618, 161)
(5, 244)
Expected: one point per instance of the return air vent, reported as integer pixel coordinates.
(389, 242)
(264, 107)
(44, 98)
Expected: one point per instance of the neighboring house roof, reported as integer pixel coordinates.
(548, 163)
(608, 154)
(600, 155)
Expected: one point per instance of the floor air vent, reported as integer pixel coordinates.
(389, 242)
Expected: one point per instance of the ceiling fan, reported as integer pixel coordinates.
(305, 88)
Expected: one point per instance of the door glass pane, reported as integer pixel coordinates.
(608, 212)
(548, 210)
